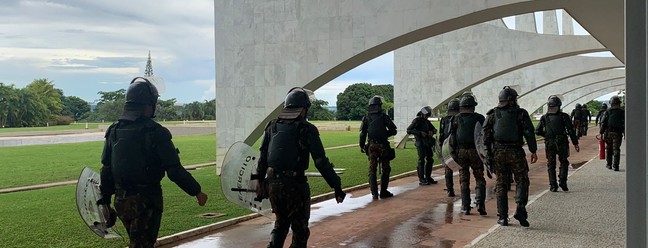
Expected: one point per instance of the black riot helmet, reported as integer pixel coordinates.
(467, 100)
(453, 104)
(507, 94)
(578, 106)
(615, 100)
(141, 92)
(426, 111)
(584, 106)
(297, 99)
(604, 106)
(375, 100)
(554, 101)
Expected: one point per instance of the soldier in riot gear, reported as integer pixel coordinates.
(577, 119)
(287, 143)
(377, 127)
(424, 132)
(587, 116)
(599, 116)
(613, 130)
(505, 129)
(453, 109)
(462, 139)
(137, 152)
(555, 126)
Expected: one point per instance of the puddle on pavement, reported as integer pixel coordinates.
(578, 164)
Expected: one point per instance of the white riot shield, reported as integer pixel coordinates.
(238, 178)
(481, 148)
(446, 156)
(87, 195)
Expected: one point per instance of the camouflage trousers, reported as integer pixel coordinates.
(425, 162)
(613, 149)
(377, 156)
(469, 159)
(141, 215)
(291, 205)
(579, 129)
(511, 161)
(557, 147)
(449, 181)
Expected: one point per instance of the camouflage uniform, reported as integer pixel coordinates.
(378, 127)
(463, 139)
(287, 143)
(586, 119)
(424, 147)
(577, 120)
(445, 132)
(555, 127)
(613, 129)
(508, 155)
(138, 196)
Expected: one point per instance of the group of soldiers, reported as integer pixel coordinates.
(138, 152)
(581, 117)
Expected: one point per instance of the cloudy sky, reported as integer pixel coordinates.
(89, 46)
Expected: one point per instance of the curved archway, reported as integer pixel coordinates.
(586, 97)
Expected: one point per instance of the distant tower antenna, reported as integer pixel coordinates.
(149, 68)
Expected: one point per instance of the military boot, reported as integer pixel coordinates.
(373, 186)
(384, 183)
(277, 239)
(480, 198)
(521, 215)
(428, 174)
(421, 174)
(465, 200)
(608, 158)
(449, 182)
(502, 210)
(617, 161)
(553, 185)
(563, 178)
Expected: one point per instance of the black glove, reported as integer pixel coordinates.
(111, 218)
(261, 191)
(362, 148)
(339, 195)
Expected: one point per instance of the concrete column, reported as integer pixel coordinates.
(526, 23)
(636, 103)
(567, 24)
(549, 22)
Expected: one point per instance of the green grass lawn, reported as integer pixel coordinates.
(28, 165)
(49, 217)
(73, 126)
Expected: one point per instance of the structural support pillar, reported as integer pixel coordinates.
(636, 104)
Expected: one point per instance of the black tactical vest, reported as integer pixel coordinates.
(615, 118)
(286, 148)
(132, 155)
(445, 126)
(554, 125)
(506, 128)
(578, 114)
(377, 129)
(466, 128)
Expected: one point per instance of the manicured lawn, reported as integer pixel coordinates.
(73, 126)
(49, 217)
(28, 165)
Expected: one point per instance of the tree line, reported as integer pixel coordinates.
(41, 104)
(352, 103)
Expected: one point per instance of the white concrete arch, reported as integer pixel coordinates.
(585, 98)
(538, 98)
(468, 58)
(540, 75)
(263, 48)
(570, 96)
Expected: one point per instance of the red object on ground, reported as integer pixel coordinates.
(601, 148)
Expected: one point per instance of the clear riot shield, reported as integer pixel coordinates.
(481, 149)
(446, 156)
(87, 195)
(238, 178)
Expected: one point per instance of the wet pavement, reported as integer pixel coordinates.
(418, 216)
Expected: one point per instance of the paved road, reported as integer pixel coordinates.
(418, 216)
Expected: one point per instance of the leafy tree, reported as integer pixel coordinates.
(594, 106)
(45, 92)
(167, 110)
(210, 110)
(74, 107)
(110, 96)
(108, 111)
(193, 111)
(318, 111)
(352, 103)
